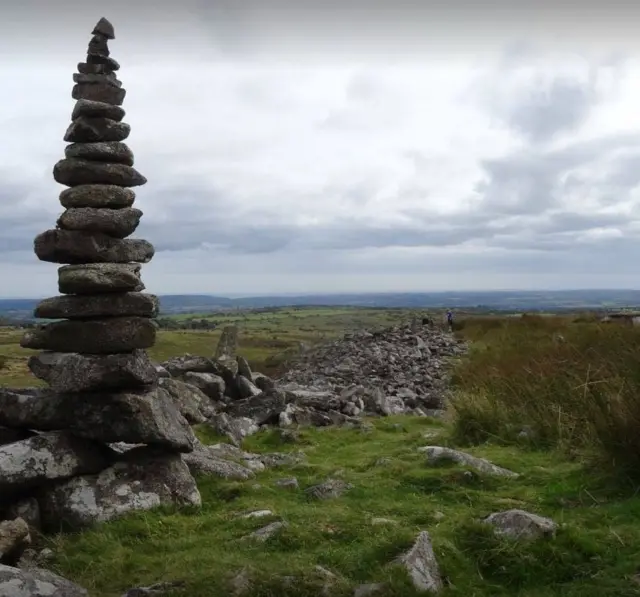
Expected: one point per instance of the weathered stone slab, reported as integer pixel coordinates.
(142, 480)
(94, 69)
(97, 78)
(48, 457)
(73, 372)
(189, 400)
(97, 195)
(98, 305)
(36, 582)
(421, 565)
(177, 366)
(99, 92)
(75, 246)
(97, 129)
(107, 61)
(111, 151)
(92, 109)
(210, 384)
(135, 417)
(94, 278)
(118, 223)
(94, 336)
(73, 172)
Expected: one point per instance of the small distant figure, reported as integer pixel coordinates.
(450, 320)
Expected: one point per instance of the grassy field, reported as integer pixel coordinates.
(550, 398)
(265, 338)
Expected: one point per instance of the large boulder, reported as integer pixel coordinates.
(145, 478)
(36, 582)
(192, 403)
(209, 384)
(148, 417)
(48, 457)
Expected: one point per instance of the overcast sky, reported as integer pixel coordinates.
(382, 148)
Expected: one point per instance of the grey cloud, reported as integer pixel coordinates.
(544, 112)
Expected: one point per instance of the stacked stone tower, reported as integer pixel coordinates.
(103, 387)
(106, 321)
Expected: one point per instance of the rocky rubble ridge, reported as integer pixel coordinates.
(399, 370)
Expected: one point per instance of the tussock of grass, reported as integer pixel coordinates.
(566, 384)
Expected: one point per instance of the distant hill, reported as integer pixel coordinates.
(22, 309)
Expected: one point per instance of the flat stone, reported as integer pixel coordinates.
(92, 278)
(93, 336)
(142, 480)
(109, 151)
(97, 195)
(99, 79)
(92, 109)
(520, 524)
(73, 172)
(441, 454)
(105, 28)
(205, 460)
(109, 62)
(74, 372)
(93, 130)
(134, 417)
(99, 92)
(74, 246)
(118, 223)
(48, 457)
(94, 69)
(98, 305)
(36, 582)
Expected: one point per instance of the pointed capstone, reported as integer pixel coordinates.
(104, 27)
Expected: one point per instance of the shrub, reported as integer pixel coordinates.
(569, 385)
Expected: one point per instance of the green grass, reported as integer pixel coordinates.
(595, 554)
(575, 386)
(519, 373)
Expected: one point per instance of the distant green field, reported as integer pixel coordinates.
(264, 336)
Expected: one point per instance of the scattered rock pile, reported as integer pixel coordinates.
(59, 469)
(398, 370)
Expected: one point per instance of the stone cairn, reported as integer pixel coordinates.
(104, 393)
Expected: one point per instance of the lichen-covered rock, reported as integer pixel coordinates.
(48, 457)
(144, 479)
(234, 428)
(521, 524)
(94, 306)
(148, 417)
(246, 389)
(95, 129)
(108, 151)
(35, 582)
(440, 454)
(189, 400)
(97, 195)
(96, 278)
(206, 461)
(95, 336)
(421, 565)
(178, 366)
(74, 372)
(76, 247)
(210, 384)
(118, 223)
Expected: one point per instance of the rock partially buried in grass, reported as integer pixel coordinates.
(330, 489)
(421, 564)
(437, 454)
(521, 524)
(265, 533)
